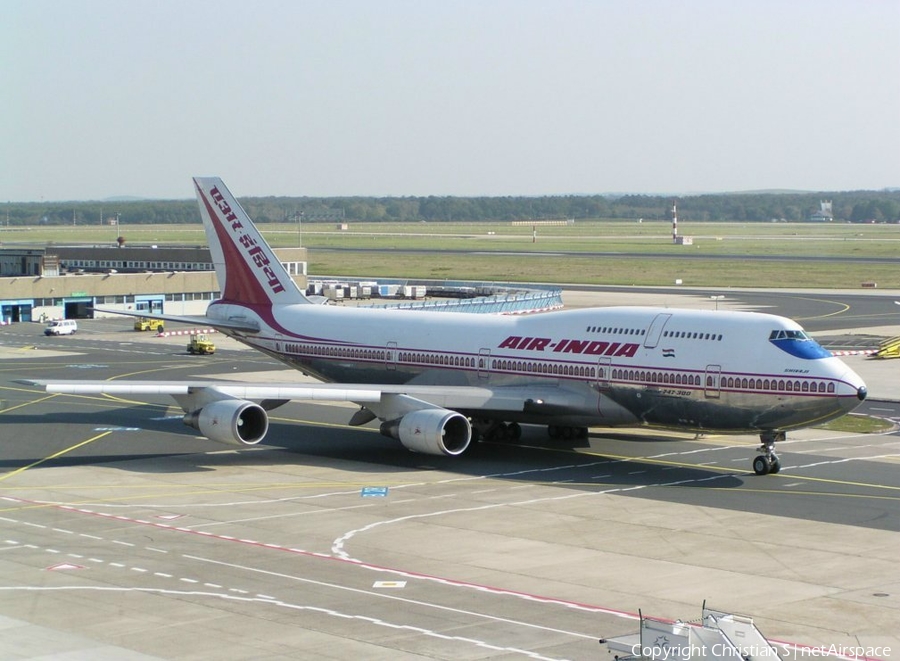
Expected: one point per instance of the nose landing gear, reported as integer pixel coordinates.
(768, 462)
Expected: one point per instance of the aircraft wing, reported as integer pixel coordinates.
(424, 418)
(386, 400)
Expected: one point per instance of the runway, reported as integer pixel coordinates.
(817, 311)
(525, 254)
(125, 536)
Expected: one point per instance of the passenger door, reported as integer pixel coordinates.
(390, 355)
(712, 381)
(484, 364)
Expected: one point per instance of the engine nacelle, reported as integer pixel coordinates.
(230, 421)
(431, 431)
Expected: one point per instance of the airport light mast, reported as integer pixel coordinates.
(674, 221)
(678, 240)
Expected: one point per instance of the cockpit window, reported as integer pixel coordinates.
(789, 335)
(798, 343)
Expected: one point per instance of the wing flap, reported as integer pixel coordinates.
(321, 392)
(300, 393)
(112, 388)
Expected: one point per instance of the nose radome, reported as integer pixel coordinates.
(852, 379)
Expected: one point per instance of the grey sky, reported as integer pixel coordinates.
(452, 97)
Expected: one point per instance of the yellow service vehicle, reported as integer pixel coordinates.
(201, 344)
(143, 324)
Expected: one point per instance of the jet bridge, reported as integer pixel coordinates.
(718, 636)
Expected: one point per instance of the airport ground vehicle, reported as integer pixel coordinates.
(144, 324)
(61, 327)
(200, 344)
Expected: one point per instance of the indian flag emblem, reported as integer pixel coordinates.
(668, 353)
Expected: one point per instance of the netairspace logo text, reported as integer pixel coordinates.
(718, 650)
(721, 650)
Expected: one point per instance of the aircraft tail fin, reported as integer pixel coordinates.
(247, 269)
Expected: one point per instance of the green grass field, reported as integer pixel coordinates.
(729, 249)
(855, 423)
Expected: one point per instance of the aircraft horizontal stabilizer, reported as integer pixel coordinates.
(219, 324)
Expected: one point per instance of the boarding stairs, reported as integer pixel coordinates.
(889, 348)
(718, 636)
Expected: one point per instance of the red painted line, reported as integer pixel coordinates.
(405, 573)
(350, 561)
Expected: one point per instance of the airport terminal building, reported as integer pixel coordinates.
(66, 282)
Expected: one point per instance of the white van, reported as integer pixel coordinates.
(61, 327)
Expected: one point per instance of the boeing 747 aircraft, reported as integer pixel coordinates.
(439, 381)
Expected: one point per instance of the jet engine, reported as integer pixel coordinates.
(431, 431)
(230, 421)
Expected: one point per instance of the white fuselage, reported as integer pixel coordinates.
(703, 370)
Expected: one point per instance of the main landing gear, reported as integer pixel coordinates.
(768, 462)
(494, 430)
(510, 432)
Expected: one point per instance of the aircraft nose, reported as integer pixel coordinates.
(855, 383)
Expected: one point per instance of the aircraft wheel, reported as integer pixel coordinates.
(553, 431)
(476, 435)
(761, 465)
(513, 431)
(775, 466)
(498, 432)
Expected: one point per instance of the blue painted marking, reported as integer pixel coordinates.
(804, 349)
(374, 492)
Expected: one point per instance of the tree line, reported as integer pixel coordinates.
(848, 206)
